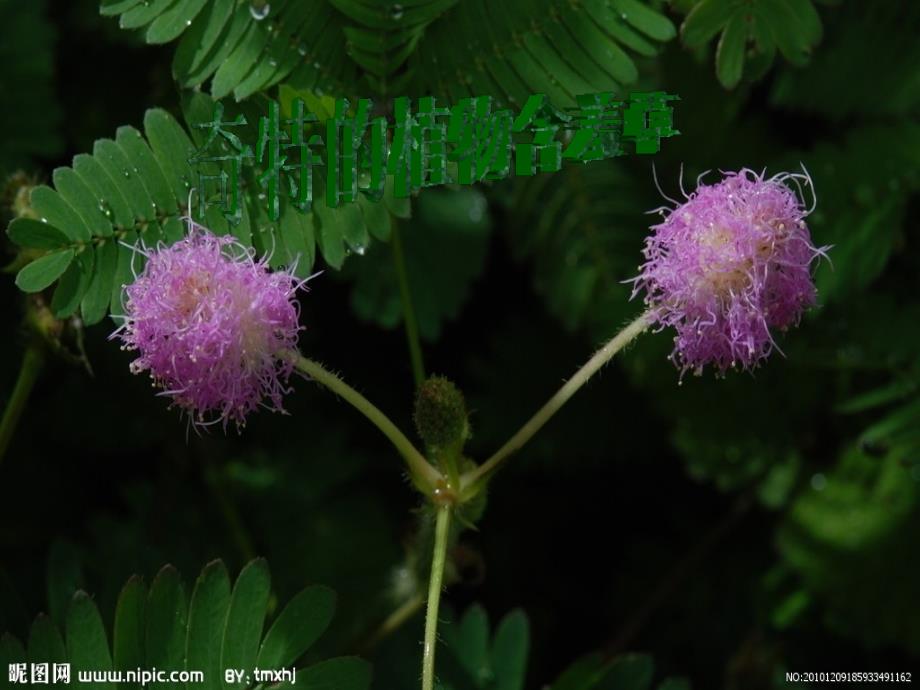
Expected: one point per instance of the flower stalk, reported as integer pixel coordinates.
(472, 481)
(32, 362)
(405, 293)
(435, 585)
(426, 477)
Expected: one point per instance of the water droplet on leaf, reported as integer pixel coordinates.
(396, 12)
(259, 11)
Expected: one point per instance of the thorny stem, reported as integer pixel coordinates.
(415, 346)
(426, 476)
(471, 479)
(32, 362)
(435, 585)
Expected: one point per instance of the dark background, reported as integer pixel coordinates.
(645, 517)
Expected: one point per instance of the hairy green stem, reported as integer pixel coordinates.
(393, 622)
(415, 345)
(543, 415)
(32, 362)
(436, 583)
(426, 477)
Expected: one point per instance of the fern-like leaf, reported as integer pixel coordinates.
(214, 628)
(863, 185)
(752, 32)
(239, 50)
(510, 50)
(867, 67)
(854, 529)
(583, 241)
(381, 37)
(136, 188)
(506, 50)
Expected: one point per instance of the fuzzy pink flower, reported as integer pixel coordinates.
(212, 326)
(727, 266)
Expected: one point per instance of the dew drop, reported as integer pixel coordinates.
(188, 22)
(105, 209)
(272, 62)
(396, 12)
(302, 49)
(259, 10)
(360, 249)
(127, 173)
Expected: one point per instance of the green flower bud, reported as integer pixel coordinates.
(440, 414)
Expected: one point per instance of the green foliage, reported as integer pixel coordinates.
(751, 32)
(218, 627)
(103, 203)
(826, 437)
(625, 672)
(453, 223)
(865, 68)
(136, 188)
(582, 241)
(510, 50)
(864, 186)
(42, 272)
(29, 114)
(845, 533)
(222, 40)
(848, 532)
(381, 38)
(296, 236)
(347, 46)
(474, 659)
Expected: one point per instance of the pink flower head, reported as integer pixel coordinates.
(213, 327)
(728, 265)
